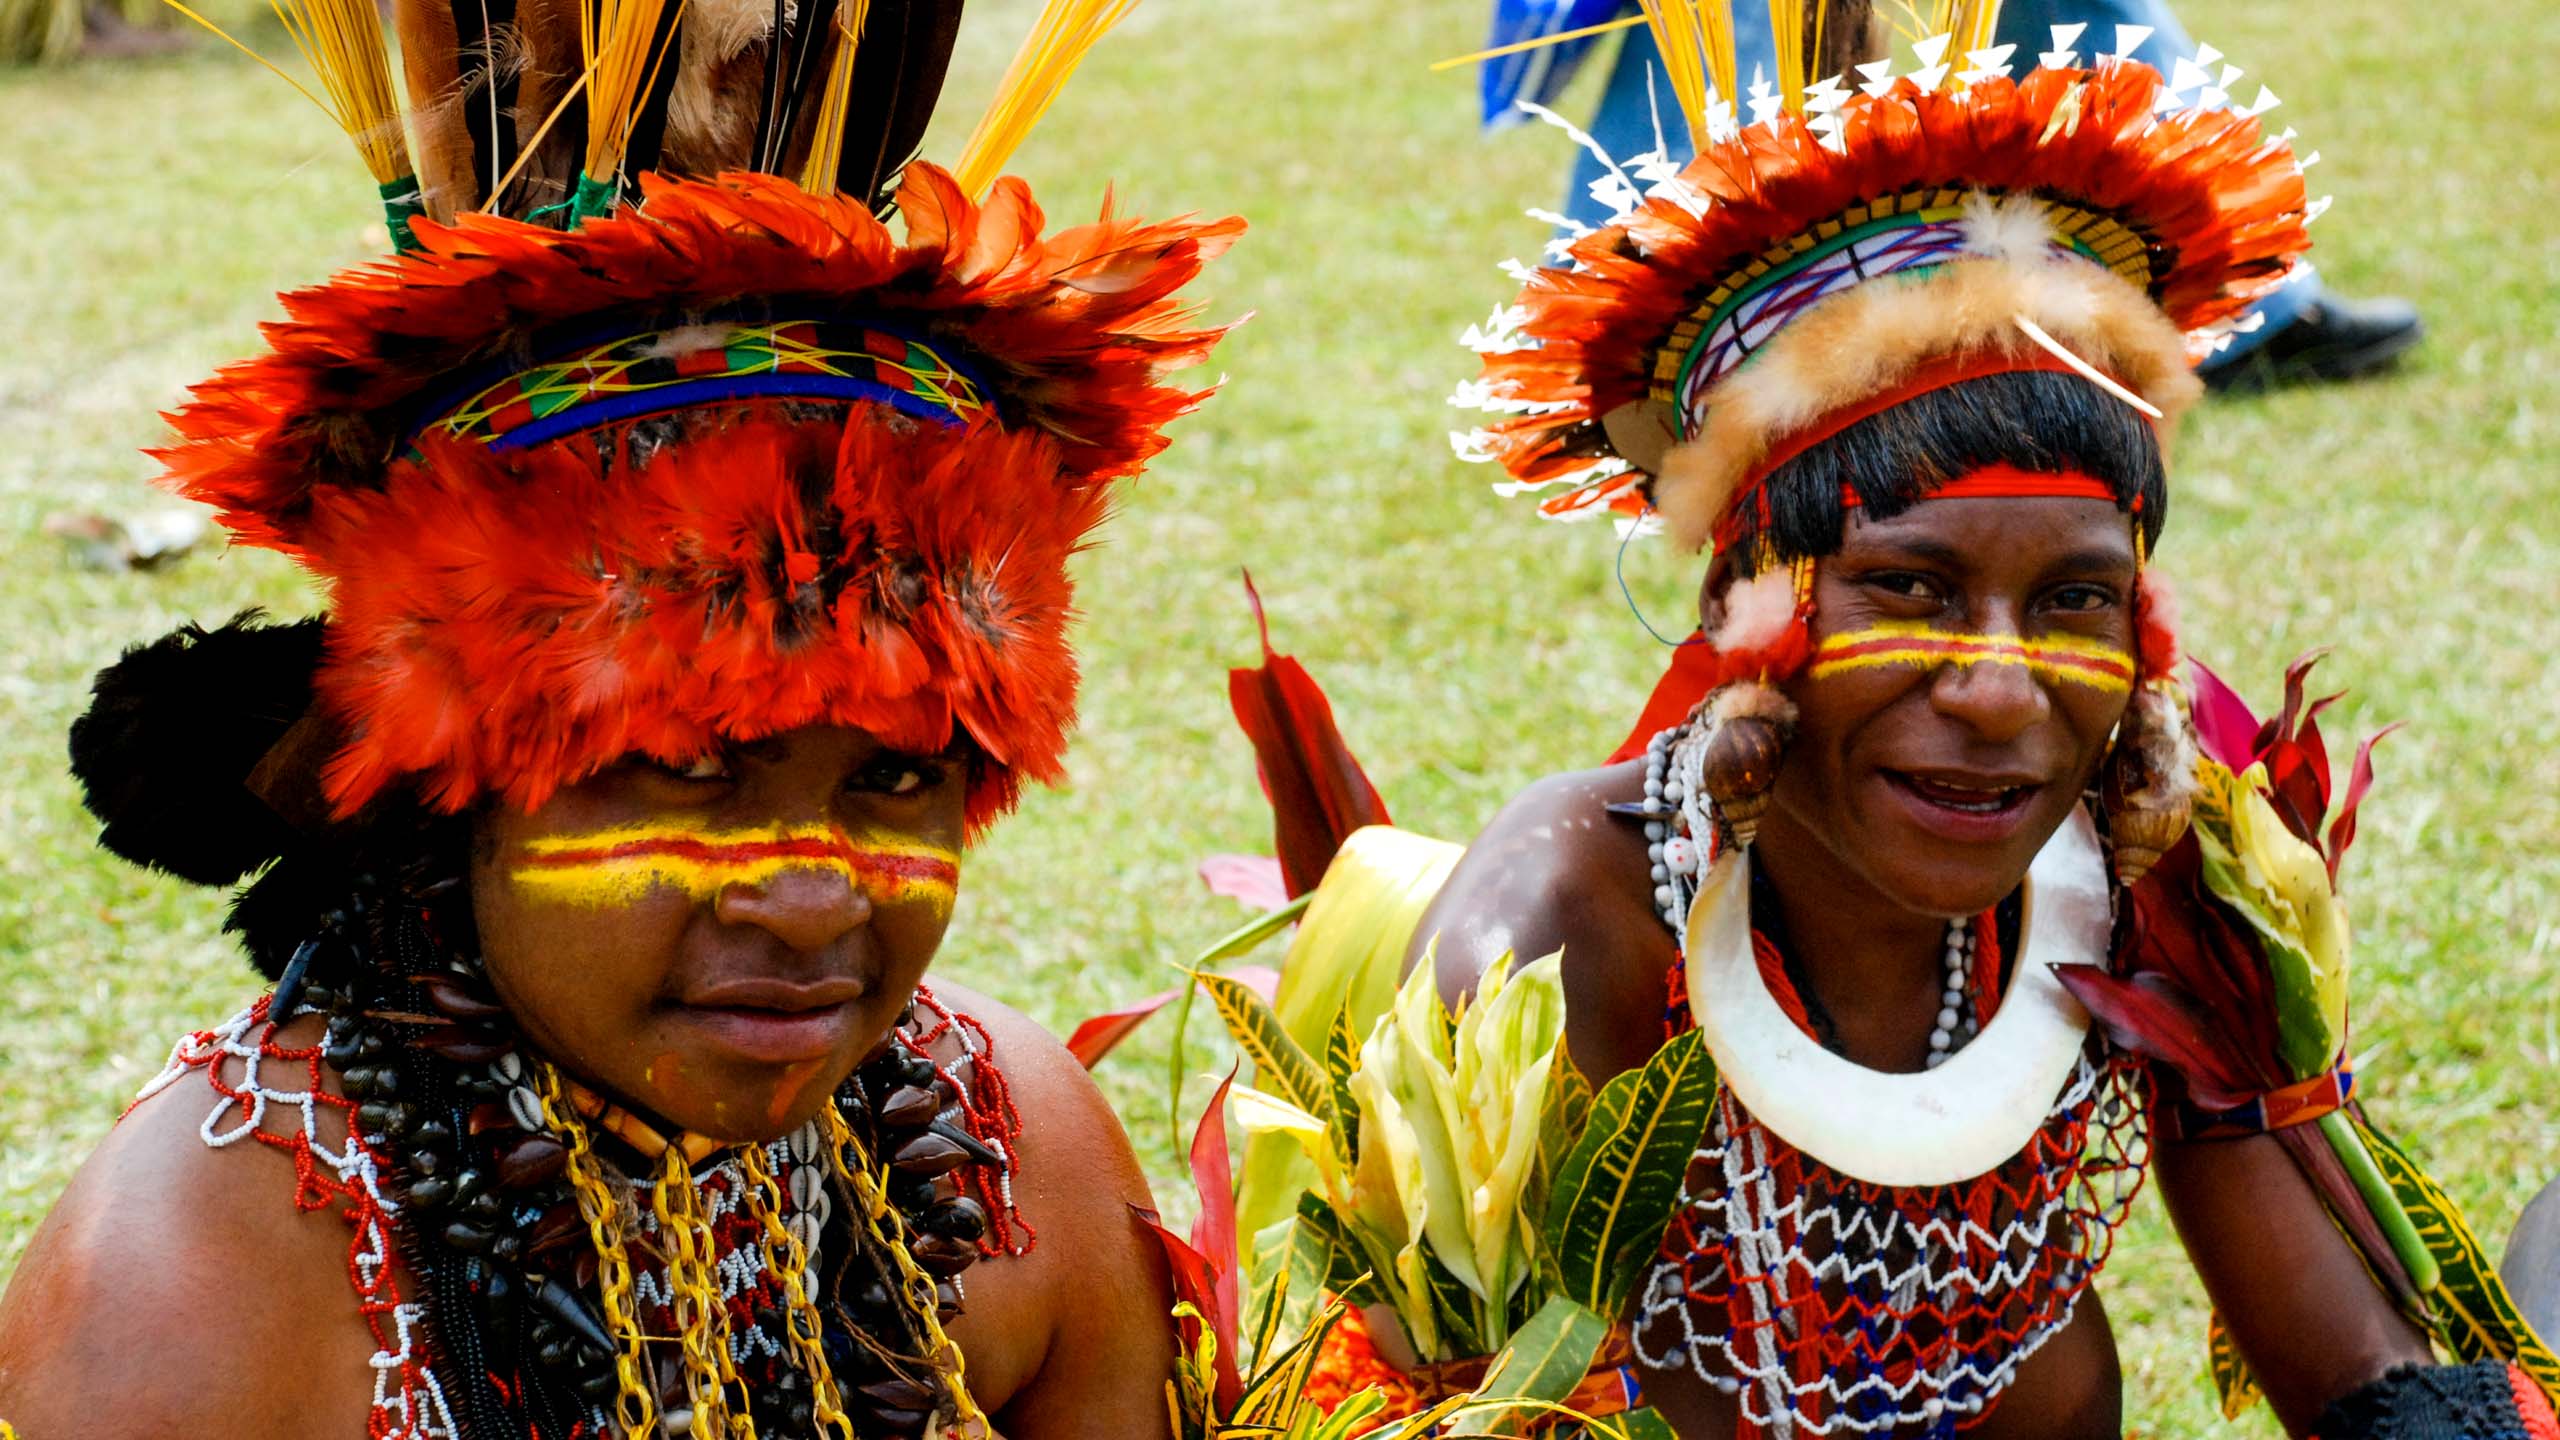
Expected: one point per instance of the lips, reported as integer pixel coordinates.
(1964, 806)
(774, 1021)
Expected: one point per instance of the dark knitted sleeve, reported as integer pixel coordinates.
(2485, 1400)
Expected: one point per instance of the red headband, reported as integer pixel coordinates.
(2002, 481)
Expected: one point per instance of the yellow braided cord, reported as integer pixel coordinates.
(784, 1259)
(635, 1404)
(880, 1221)
(693, 1300)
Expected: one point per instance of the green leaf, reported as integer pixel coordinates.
(1341, 1057)
(1544, 1361)
(1280, 1066)
(1621, 1181)
(1240, 941)
(2473, 1316)
(1456, 1305)
(2231, 1378)
(1295, 1261)
(1560, 1123)
(1644, 1424)
(1347, 1271)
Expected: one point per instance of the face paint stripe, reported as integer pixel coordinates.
(2063, 660)
(617, 865)
(2075, 670)
(918, 863)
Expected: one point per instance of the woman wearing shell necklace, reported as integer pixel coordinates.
(697, 581)
(1906, 363)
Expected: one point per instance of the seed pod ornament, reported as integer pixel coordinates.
(1749, 725)
(2149, 784)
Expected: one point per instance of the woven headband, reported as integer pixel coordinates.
(656, 371)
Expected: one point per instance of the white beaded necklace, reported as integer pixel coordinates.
(1678, 812)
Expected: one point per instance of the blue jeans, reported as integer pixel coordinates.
(1624, 126)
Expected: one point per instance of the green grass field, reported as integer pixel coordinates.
(148, 211)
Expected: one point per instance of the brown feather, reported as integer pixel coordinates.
(1851, 34)
(431, 65)
(547, 37)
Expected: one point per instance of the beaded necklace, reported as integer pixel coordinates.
(530, 1260)
(1828, 1305)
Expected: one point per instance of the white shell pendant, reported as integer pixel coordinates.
(1953, 1122)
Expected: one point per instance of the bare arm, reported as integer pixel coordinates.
(2310, 1321)
(172, 1283)
(1075, 1338)
(1554, 871)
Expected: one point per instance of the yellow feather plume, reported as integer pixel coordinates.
(826, 147)
(622, 66)
(1058, 41)
(342, 42)
(1696, 40)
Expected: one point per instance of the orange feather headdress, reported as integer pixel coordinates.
(670, 461)
(1851, 247)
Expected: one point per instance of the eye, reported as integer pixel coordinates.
(701, 770)
(1903, 584)
(898, 775)
(2082, 599)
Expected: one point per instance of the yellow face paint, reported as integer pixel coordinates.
(2065, 661)
(617, 866)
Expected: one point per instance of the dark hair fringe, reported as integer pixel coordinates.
(2033, 420)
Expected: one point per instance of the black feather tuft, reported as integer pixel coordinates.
(897, 76)
(173, 729)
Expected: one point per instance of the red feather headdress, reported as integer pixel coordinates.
(1735, 307)
(508, 619)
(658, 437)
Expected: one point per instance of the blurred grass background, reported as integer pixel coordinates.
(149, 209)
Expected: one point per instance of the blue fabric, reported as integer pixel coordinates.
(1537, 75)
(1624, 125)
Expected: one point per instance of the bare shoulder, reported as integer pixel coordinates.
(1555, 871)
(1075, 1333)
(197, 1257)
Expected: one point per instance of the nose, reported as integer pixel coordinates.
(807, 907)
(1997, 700)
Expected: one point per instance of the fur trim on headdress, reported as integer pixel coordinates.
(1874, 336)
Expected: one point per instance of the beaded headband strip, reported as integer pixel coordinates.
(658, 371)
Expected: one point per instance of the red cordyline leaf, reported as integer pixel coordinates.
(1318, 792)
(2342, 830)
(1103, 1033)
(1254, 879)
(2192, 989)
(1196, 1280)
(2155, 1017)
(2226, 728)
(1214, 1233)
(1204, 1267)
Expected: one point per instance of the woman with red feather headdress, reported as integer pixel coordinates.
(695, 548)
(1912, 808)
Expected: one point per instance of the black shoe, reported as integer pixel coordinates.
(2331, 339)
